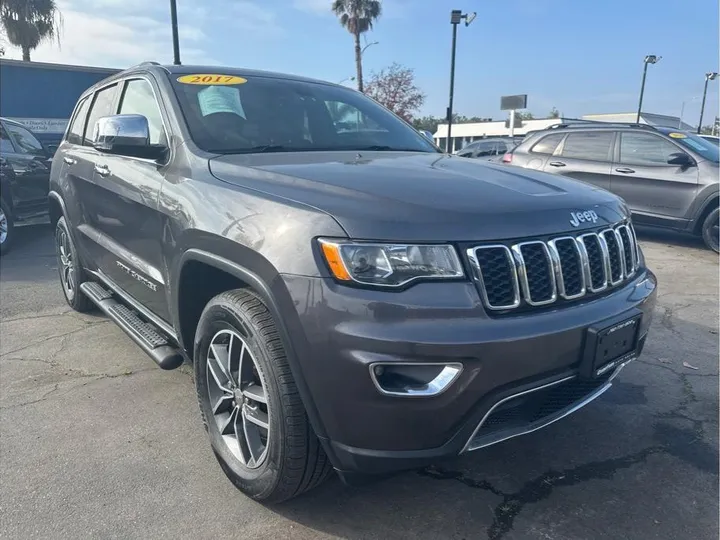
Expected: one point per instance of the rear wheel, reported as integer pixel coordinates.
(250, 405)
(711, 230)
(7, 229)
(71, 271)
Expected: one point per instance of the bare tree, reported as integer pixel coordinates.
(394, 87)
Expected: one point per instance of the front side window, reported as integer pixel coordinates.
(645, 149)
(590, 146)
(26, 142)
(102, 106)
(547, 145)
(280, 115)
(138, 98)
(75, 131)
(706, 148)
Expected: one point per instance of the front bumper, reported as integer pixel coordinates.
(344, 331)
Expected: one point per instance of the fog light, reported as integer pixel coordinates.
(414, 379)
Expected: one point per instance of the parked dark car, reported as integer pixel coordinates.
(349, 298)
(24, 180)
(668, 178)
(488, 149)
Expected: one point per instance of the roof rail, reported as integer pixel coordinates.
(584, 124)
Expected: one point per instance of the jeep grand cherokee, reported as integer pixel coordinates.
(349, 297)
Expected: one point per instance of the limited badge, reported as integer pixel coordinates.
(211, 79)
(677, 135)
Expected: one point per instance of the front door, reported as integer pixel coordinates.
(585, 156)
(656, 192)
(123, 215)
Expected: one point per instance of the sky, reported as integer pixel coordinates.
(581, 57)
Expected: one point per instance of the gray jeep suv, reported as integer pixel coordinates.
(349, 296)
(668, 178)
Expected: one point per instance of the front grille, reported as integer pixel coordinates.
(539, 272)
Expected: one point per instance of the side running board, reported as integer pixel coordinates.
(148, 337)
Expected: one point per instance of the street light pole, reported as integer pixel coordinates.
(649, 59)
(708, 77)
(175, 38)
(456, 16)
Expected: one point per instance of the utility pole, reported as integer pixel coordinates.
(455, 17)
(708, 77)
(175, 38)
(649, 59)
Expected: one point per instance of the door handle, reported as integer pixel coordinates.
(69, 160)
(625, 170)
(556, 164)
(102, 170)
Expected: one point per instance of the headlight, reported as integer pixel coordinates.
(390, 265)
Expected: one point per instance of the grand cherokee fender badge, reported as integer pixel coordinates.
(133, 274)
(576, 218)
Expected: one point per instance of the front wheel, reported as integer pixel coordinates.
(258, 427)
(711, 230)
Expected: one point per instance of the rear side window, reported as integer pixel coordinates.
(75, 131)
(645, 149)
(138, 98)
(6, 145)
(591, 146)
(548, 144)
(102, 106)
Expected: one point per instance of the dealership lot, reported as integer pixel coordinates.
(95, 441)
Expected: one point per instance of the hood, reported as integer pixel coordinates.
(420, 196)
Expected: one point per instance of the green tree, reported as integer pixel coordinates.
(554, 113)
(28, 23)
(357, 16)
(526, 116)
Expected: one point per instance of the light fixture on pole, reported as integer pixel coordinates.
(368, 45)
(175, 38)
(649, 59)
(708, 77)
(456, 16)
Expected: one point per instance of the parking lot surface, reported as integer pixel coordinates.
(97, 442)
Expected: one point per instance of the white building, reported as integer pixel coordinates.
(464, 134)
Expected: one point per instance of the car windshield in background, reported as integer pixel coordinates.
(697, 144)
(230, 114)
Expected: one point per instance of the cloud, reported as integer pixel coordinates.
(121, 33)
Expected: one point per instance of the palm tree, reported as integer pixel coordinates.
(27, 23)
(357, 16)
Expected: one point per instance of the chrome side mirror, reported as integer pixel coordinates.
(126, 135)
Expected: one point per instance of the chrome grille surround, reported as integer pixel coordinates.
(574, 267)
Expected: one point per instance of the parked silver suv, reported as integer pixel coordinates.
(668, 178)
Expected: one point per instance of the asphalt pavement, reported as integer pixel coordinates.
(97, 442)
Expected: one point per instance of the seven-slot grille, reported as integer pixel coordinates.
(538, 273)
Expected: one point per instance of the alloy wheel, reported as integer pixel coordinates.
(715, 233)
(238, 398)
(67, 265)
(3, 226)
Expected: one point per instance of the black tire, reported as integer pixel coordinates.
(70, 269)
(294, 460)
(7, 231)
(711, 230)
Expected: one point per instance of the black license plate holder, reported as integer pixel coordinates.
(609, 345)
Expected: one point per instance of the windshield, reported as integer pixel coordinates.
(697, 144)
(231, 114)
(25, 141)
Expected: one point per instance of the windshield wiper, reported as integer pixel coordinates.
(269, 148)
(385, 148)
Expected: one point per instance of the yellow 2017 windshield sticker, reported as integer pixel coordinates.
(211, 78)
(677, 135)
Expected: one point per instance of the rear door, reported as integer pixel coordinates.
(655, 191)
(126, 228)
(584, 156)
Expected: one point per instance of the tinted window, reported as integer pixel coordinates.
(6, 145)
(593, 146)
(547, 145)
(75, 131)
(102, 106)
(25, 142)
(706, 148)
(138, 98)
(290, 116)
(645, 149)
(487, 149)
